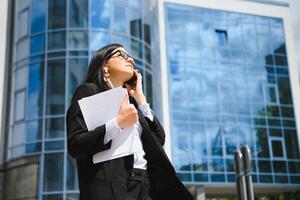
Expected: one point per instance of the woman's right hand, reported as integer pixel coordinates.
(127, 115)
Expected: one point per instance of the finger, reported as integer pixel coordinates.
(107, 75)
(131, 92)
(126, 102)
(138, 73)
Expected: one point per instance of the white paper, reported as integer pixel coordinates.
(99, 109)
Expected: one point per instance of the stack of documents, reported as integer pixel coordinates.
(99, 109)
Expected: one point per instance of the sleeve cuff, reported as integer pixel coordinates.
(146, 110)
(112, 130)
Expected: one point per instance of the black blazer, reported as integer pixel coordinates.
(108, 180)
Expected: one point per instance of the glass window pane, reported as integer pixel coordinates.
(265, 179)
(149, 89)
(37, 44)
(77, 70)
(277, 148)
(35, 90)
(217, 177)
(291, 144)
(135, 20)
(55, 99)
(199, 140)
(54, 128)
(17, 151)
(121, 40)
(183, 163)
(235, 33)
(100, 13)
(215, 134)
(249, 37)
(54, 145)
(264, 166)
(191, 29)
(53, 172)
(184, 176)
(21, 4)
(20, 98)
(217, 164)
(78, 40)
(200, 164)
(193, 84)
(72, 176)
(136, 48)
(18, 134)
(294, 167)
(120, 20)
(53, 197)
(136, 28)
(284, 90)
(38, 10)
(221, 37)
(231, 143)
(147, 54)
(56, 40)
(23, 23)
(23, 49)
(281, 179)
(279, 166)
(78, 13)
(262, 142)
(147, 34)
(98, 40)
(57, 14)
(72, 196)
(21, 75)
(34, 130)
(174, 28)
(272, 97)
(33, 148)
(287, 111)
(201, 177)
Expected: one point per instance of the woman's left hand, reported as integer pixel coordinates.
(137, 92)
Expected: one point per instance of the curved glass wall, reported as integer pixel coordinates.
(229, 86)
(54, 41)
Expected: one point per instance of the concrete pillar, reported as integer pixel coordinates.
(21, 179)
(197, 191)
(200, 193)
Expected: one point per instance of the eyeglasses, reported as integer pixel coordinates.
(123, 54)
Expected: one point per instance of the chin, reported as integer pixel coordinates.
(129, 74)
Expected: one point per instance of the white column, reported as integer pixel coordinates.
(200, 193)
(3, 42)
(164, 78)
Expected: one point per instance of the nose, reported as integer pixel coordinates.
(131, 60)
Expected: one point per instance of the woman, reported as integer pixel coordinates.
(148, 174)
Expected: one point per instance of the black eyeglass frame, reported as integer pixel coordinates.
(123, 54)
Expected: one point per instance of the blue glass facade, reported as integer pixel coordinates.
(229, 85)
(54, 42)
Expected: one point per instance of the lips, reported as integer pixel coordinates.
(130, 66)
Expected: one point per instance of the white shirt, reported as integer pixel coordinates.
(113, 130)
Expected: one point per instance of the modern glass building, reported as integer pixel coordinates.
(229, 85)
(217, 75)
(52, 44)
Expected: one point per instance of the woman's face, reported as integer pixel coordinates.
(118, 67)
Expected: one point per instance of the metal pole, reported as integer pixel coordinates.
(240, 179)
(247, 170)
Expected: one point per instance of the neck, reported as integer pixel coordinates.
(115, 82)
